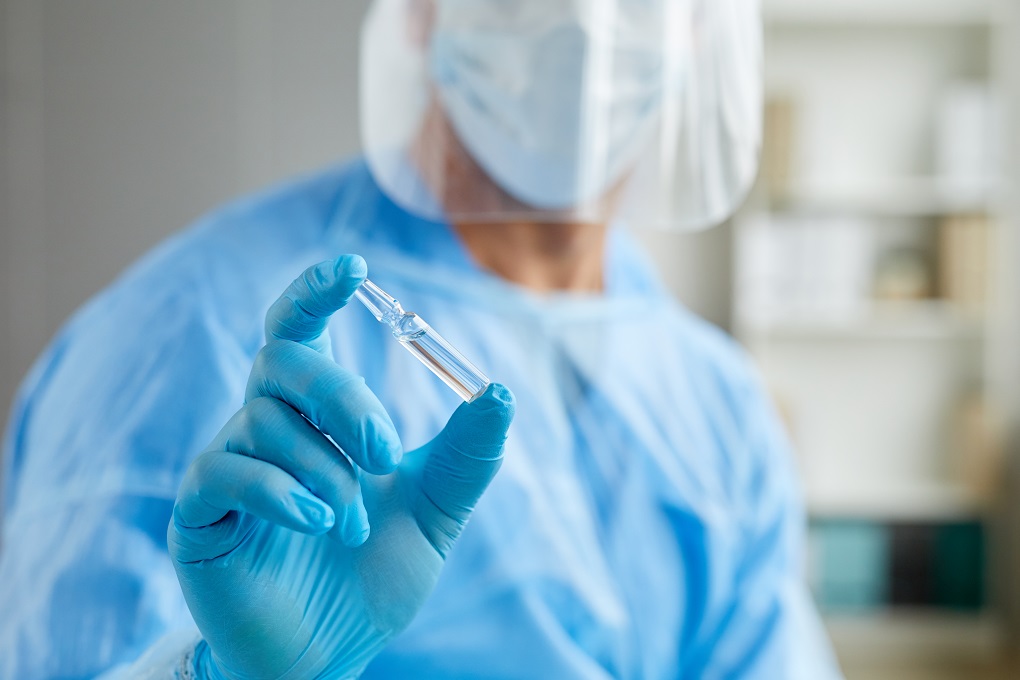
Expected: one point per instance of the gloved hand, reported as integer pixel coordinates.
(270, 533)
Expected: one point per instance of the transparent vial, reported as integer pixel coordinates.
(423, 342)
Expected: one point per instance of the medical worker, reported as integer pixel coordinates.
(644, 521)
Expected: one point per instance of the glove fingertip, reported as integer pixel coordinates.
(317, 516)
(383, 449)
(350, 266)
(496, 407)
(351, 528)
(479, 428)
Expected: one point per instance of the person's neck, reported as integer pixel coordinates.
(541, 257)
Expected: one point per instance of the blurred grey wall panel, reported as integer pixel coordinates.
(121, 121)
(697, 268)
(22, 301)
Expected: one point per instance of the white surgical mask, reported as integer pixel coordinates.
(555, 101)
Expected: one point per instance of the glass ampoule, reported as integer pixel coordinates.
(424, 342)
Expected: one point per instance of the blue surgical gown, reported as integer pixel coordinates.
(646, 522)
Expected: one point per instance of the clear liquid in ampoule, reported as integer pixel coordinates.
(439, 356)
(424, 343)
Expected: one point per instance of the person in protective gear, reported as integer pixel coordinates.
(318, 483)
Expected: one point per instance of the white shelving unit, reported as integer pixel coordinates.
(872, 391)
(864, 79)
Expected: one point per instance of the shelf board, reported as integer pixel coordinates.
(881, 12)
(909, 635)
(895, 502)
(891, 197)
(913, 320)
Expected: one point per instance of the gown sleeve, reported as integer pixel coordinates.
(770, 627)
(99, 437)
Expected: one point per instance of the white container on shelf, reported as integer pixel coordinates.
(796, 268)
(967, 139)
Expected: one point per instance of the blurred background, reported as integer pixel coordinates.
(872, 271)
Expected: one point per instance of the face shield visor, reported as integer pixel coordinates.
(645, 111)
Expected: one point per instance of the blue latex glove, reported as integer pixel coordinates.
(270, 533)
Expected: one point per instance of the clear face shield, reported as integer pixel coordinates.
(645, 111)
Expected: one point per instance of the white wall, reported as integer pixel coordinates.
(697, 267)
(842, 136)
(123, 120)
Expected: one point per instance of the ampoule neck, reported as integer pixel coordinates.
(384, 307)
(408, 326)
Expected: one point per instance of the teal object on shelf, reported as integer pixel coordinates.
(851, 564)
(959, 570)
